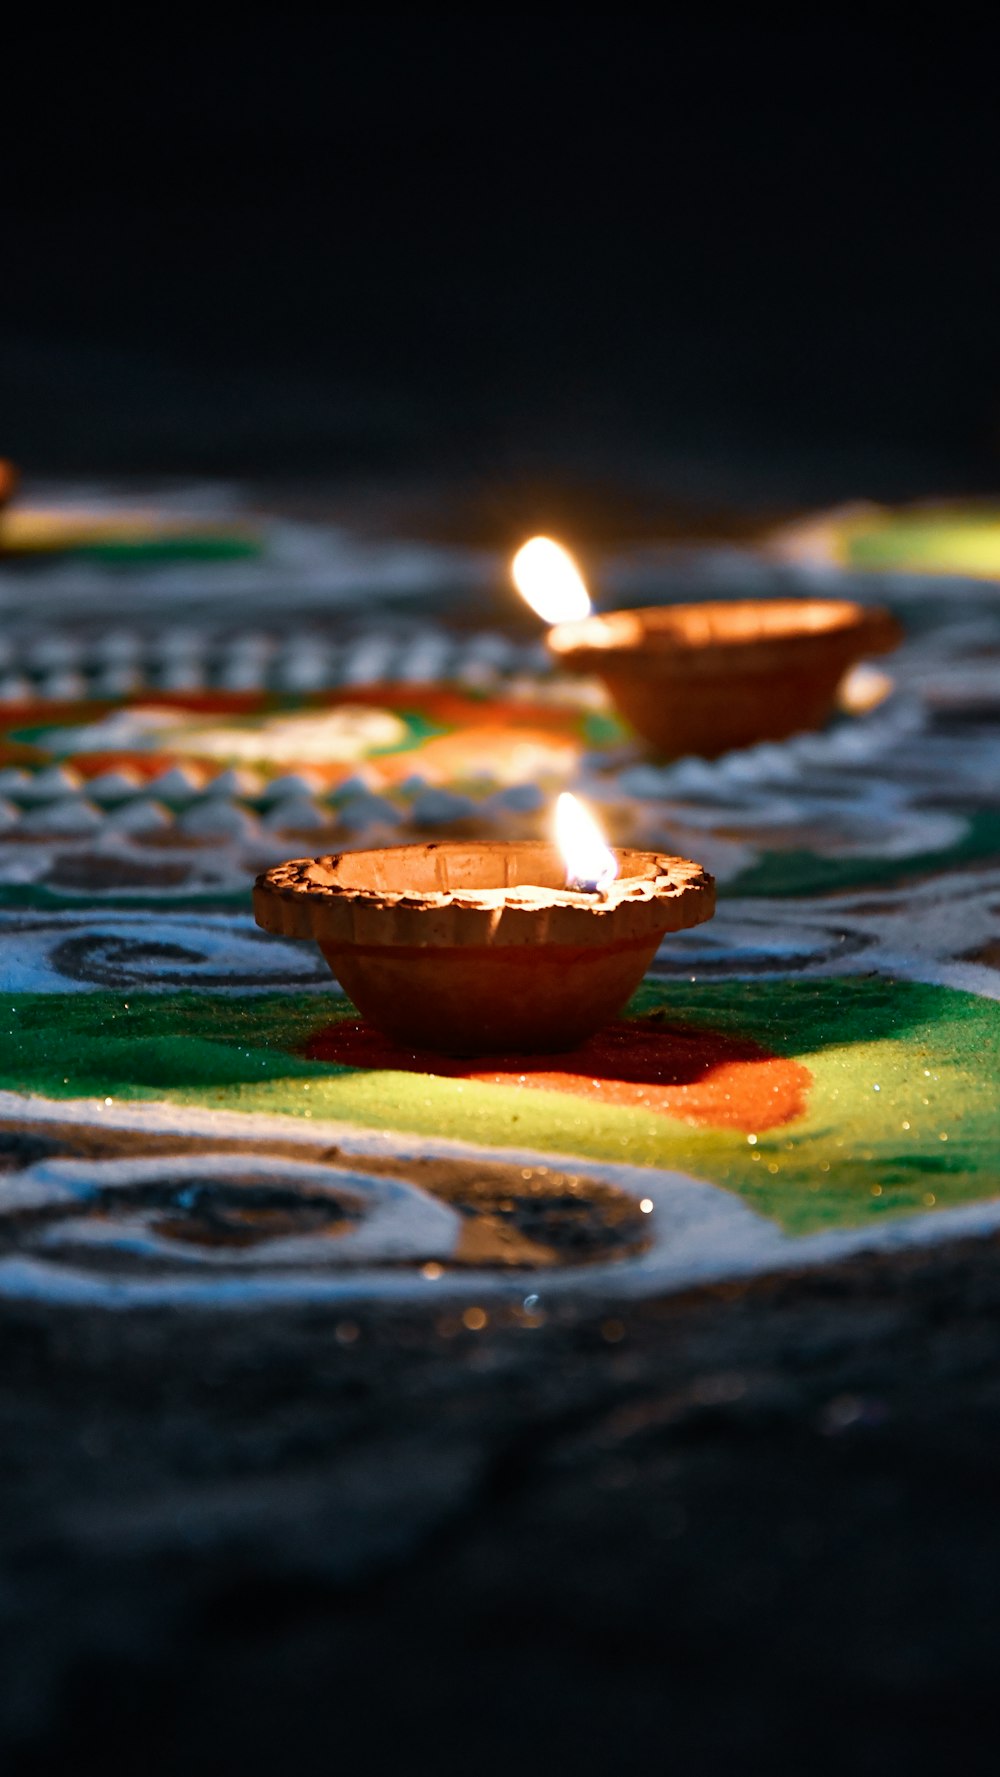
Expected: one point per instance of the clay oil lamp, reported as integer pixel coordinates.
(469, 948)
(709, 677)
(8, 480)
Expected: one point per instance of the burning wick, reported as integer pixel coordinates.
(590, 866)
(549, 580)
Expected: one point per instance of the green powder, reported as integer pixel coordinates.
(902, 1114)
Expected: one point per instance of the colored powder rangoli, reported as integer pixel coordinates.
(703, 1077)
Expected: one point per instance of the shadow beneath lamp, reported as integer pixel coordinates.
(706, 1077)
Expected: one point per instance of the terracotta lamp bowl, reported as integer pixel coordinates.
(472, 948)
(706, 678)
(8, 480)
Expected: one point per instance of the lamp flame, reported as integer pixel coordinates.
(590, 866)
(548, 578)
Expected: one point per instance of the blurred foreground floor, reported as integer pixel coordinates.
(753, 1526)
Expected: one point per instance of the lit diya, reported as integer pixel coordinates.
(708, 677)
(8, 480)
(469, 948)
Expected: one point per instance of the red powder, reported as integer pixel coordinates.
(707, 1077)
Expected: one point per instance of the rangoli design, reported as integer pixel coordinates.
(190, 1110)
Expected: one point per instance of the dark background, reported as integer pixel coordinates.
(755, 265)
